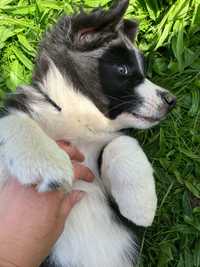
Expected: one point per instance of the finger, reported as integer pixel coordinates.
(70, 201)
(73, 152)
(82, 172)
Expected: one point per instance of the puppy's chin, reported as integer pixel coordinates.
(131, 120)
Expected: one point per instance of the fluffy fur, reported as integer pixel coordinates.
(88, 85)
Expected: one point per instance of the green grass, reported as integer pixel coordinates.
(170, 38)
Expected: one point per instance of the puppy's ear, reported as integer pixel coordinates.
(86, 28)
(130, 28)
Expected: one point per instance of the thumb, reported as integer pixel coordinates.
(70, 201)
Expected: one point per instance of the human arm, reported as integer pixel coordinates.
(31, 222)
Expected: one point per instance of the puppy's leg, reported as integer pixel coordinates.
(128, 176)
(28, 154)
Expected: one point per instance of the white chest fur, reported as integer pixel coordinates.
(91, 236)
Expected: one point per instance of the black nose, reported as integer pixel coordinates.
(169, 99)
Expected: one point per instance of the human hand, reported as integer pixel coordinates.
(31, 222)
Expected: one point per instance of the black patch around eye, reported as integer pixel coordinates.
(120, 89)
(121, 56)
(117, 54)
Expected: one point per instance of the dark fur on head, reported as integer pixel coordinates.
(95, 52)
(77, 46)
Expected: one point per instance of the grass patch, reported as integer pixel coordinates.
(170, 38)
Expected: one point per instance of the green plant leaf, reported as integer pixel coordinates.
(165, 255)
(23, 41)
(5, 3)
(164, 35)
(21, 56)
(6, 33)
(96, 3)
(193, 189)
(180, 45)
(16, 75)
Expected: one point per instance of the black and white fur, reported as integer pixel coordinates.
(88, 85)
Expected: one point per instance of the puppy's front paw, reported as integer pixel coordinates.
(39, 162)
(28, 154)
(56, 172)
(128, 175)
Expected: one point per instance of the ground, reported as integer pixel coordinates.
(169, 36)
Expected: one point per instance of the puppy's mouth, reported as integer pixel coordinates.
(147, 118)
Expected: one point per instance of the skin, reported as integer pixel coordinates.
(31, 222)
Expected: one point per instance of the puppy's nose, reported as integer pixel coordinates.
(169, 99)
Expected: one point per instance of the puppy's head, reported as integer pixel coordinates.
(95, 52)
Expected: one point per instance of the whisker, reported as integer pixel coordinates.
(119, 105)
(119, 98)
(113, 97)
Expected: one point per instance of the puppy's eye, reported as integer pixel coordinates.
(123, 70)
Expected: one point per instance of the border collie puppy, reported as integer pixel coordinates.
(88, 85)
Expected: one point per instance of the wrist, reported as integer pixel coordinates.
(12, 254)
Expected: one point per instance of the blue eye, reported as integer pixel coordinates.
(123, 70)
